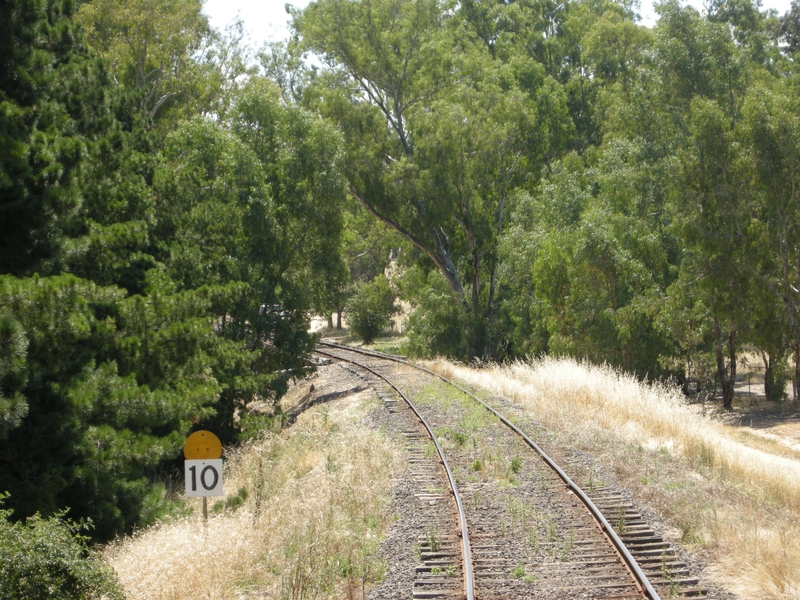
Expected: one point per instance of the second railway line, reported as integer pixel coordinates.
(527, 533)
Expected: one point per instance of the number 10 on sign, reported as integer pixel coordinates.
(203, 477)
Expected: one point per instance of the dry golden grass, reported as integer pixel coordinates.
(727, 494)
(316, 505)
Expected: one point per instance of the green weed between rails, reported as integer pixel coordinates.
(525, 516)
(439, 392)
(457, 438)
(396, 346)
(519, 572)
(551, 529)
(519, 509)
(513, 468)
(447, 571)
(433, 538)
(473, 418)
(430, 450)
(477, 499)
(532, 539)
(566, 546)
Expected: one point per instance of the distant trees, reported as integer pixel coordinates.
(580, 184)
(712, 220)
(150, 46)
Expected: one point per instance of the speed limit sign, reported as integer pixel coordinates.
(203, 477)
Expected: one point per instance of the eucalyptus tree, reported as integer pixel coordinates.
(168, 54)
(788, 28)
(438, 134)
(709, 68)
(773, 126)
(584, 257)
(715, 209)
(584, 265)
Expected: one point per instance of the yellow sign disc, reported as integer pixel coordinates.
(202, 444)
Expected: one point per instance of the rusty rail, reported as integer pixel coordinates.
(466, 552)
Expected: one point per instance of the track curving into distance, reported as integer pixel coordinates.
(648, 548)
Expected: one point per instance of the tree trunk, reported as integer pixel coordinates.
(339, 319)
(440, 255)
(796, 379)
(495, 261)
(727, 376)
(493, 280)
(330, 320)
(769, 375)
(444, 261)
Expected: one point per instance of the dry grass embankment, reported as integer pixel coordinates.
(727, 495)
(315, 509)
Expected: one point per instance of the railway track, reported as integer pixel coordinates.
(511, 523)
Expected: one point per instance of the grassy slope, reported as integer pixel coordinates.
(314, 512)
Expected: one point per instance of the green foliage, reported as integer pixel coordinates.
(590, 264)
(371, 308)
(13, 376)
(437, 136)
(180, 254)
(113, 387)
(44, 128)
(436, 326)
(151, 46)
(50, 558)
(772, 125)
(788, 29)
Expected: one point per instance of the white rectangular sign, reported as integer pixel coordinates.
(203, 477)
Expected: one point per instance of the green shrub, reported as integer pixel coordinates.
(371, 308)
(438, 325)
(49, 558)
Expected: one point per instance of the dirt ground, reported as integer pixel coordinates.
(777, 422)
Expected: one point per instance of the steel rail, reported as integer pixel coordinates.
(469, 577)
(639, 577)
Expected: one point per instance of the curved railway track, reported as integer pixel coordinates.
(517, 527)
